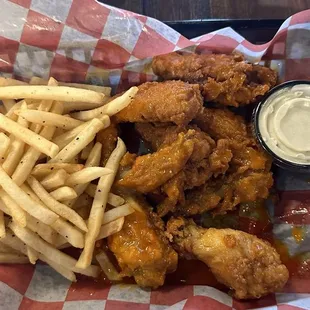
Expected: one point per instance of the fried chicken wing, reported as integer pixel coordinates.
(153, 170)
(142, 250)
(249, 266)
(222, 124)
(225, 79)
(172, 101)
(108, 137)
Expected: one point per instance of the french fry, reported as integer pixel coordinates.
(57, 207)
(41, 246)
(24, 201)
(63, 193)
(10, 82)
(55, 179)
(71, 234)
(4, 146)
(6, 249)
(57, 93)
(79, 142)
(33, 255)
(99, 204)
(2, 225)
(113, 200)
(93, 160)
(107, 267)
(43, 230)
(8, 258)
(86, 151)
(100, 89)
(110, 228)
(111, 108)
(49, 119)
(8, 104)
(66, 138)
(28, 136)
(29, 159)
(87, 175)
(42, 170)
(116, 213)
(70, 107)
(65, 272)
(16, 149)
(11, 114)
(17, 213)
(44, 106)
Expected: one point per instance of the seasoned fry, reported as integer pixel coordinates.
(110, 228)
(32, 254)
(79, 142)
(6, 249)
(65, 272)
(63, 193)
(28, 136)
(92, 161)
(86, 151)
(4, 145)
(107, 267)
(59, 93)
(24, 201)
(87, 175)
(2, 225)
(55, 179)
(16, 148)
(9, 82)
(57, 207)
(113, 200)
(60, 258)
(49, 119)
(82, 106)
(99, 204)
(116, 213)
(41, 170)
(8, 104)
(71, 234)
(11, 114)
(100, 89)
(8, 258)
(111, 108)
(17, 213)
(29, 159)
(66, 138)
(2, 109)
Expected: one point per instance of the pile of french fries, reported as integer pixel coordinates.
(48, 160)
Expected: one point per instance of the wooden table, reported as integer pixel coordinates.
(168, 10)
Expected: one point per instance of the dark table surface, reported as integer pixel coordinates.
(168, 10)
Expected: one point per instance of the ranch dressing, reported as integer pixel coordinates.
(284, 123)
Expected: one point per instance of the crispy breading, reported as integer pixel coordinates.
(172, 101)
(249, 266)
(142, 250)
(225, 79)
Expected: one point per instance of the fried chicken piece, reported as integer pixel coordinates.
(153, 170)
(225, 79)
(142, 250)
(108, 138)
(225, 194)
(249, 266)
(222, 124)
(172, 101)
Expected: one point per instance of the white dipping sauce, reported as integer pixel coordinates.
(284, 123)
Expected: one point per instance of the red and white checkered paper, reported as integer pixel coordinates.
(82, 40)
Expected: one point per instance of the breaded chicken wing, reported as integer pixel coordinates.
(249, 266)
(172, 101)
(225, 79)
(142, 250)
